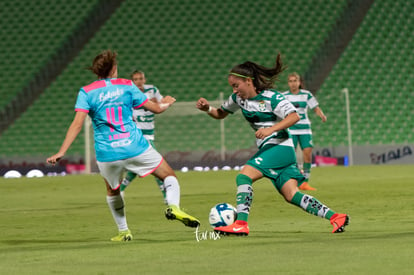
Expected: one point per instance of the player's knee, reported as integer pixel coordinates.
(164, 170)
(111, 192)
(289, 189)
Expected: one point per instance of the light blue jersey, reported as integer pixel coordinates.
(109, 103)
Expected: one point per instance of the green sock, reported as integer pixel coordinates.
(244, 196)
(130, 176)
(311, 205)
(161, 186)
(307, 170)
(127, 180)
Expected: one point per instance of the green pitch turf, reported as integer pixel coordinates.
(62, 225)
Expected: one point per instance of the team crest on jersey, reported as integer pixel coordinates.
(262, 106)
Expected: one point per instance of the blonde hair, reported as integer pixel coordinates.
(295, 74)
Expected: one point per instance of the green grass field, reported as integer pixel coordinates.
(62, 225)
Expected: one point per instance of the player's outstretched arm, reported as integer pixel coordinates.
(318, 111)
(158, 108)
(217, 113)
(71, 135)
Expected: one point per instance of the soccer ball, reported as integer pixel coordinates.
(222, 214)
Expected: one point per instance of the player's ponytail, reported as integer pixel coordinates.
(263, 78)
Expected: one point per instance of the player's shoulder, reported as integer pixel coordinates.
(121, 81)
(272, 94)
(94, 86)
(150, 87)
(286, 92)
(269, 93)
(234, 97)
(302, 91)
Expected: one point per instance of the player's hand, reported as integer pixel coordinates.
(263, 132)
(168, 100)
(323, 118)
(203, 104)
(54, 159)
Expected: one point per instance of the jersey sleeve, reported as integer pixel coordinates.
(230, 105)
(82, 104)
(312, 102)
(138, 97)
(282, 106)
(158, 96)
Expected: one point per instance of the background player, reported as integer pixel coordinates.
(301, 132)
(145, 120)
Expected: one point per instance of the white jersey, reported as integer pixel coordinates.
(263, 111)
(144, 119)
(303, 101)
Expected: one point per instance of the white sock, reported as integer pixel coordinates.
(172, 191)
(116, 204)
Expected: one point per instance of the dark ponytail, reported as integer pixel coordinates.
(263, 78)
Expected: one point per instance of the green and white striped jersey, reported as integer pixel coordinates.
(144, 119)
(302, 101)
(263, 111)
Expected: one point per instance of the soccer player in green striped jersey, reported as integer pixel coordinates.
(145, 120)
(270, 115)
(301, 132)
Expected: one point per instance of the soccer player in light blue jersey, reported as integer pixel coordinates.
(119, 144)
(270, 115)
(145, 121)
(301, 132)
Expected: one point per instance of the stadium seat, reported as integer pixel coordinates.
(39, 26)
(187, 50)
(374, 72)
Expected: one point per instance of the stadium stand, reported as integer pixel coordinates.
(377, 68)
(187, 49)
(54, 63)
(33, 30)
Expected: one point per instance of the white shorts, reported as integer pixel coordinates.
(142, 165)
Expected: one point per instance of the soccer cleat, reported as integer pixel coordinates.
(339, 221)
(240, 228)
(173, 212)
(306, 186)
(123, 236)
